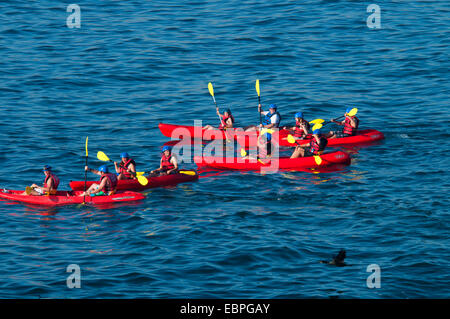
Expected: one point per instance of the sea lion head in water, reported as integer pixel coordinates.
(337, 260)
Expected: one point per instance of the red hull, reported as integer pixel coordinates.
(334, 158)
(67, 198)
(133, 185)
(196, 132)
(180, 131)
(362, 137)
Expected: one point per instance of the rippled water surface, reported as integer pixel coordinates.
(133, 64)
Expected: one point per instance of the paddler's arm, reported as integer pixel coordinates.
(86, 168)
(116, 167)
(158, 169)
(260, 110)
(338, 123)
(269, 126)
(47, 187)
(100, 187)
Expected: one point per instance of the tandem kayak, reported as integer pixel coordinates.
(197, 132)
(133, 184)
(361, 137)
(230, 163)
(69, 198)
(249, 139)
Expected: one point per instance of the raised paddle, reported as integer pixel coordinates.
(103, 157)
(211, 91)
(85, 172)
(259, 99)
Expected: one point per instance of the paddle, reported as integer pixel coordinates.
(263, 131)
(192, 173)
(292, 140)
(103, 157)
(317, 121)
(85, 172)
(352, 112)
(259, 99)
(211, 91)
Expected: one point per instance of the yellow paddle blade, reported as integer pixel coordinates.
(316, 127)
(188, 173)
(291, 139)
(266, 130)
(139, 173)
(210, 88)
(353, 112)
(317, 121)
(243, 152)
(257, 87)
(317, 159)
(102, 156)
(142, 180)
(86, 146)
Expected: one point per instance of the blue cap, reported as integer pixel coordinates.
(317, 131)
(299, 115)
(273, 106)
(47, 168)
(166, 148)
(124, 155)
(103, 169)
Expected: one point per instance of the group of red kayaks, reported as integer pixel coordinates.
(128, 190)
(249, 139)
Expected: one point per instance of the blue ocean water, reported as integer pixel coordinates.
(133, 64)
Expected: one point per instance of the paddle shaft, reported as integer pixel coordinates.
(259, 103)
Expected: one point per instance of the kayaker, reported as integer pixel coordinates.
(168, 164)
(271, 118)
(301, 128)
(127, 167)
(226, 120)
(350, 124)
(49, 187)
(264, 147)
(106, 185)
(316, 146)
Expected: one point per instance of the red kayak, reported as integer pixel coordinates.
(133, 184)
(186, 131)
(249, 139)
(230, 163)
(69, 198)
(361, 137)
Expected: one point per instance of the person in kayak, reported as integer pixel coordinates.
(226, 120)
(168, 164)
(316, 146)
(264, 147)
(127, 167)
(49, 187)
(301, 128)
(271, 118)
(350, 124)
(106, 185)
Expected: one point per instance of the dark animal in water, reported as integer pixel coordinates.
(337, 260)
